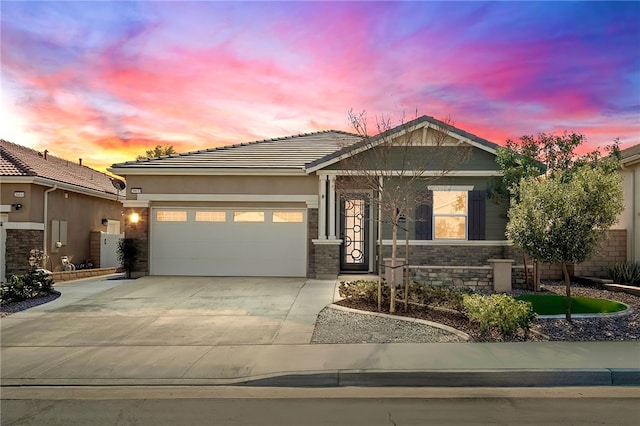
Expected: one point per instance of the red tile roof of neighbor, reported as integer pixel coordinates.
(18, 160)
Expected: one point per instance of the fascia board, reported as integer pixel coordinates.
(203, 171)
(35, 180)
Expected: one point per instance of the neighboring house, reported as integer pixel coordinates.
(272, 208)
(630, 217)
(53, 205)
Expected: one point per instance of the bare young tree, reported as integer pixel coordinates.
(397, 165)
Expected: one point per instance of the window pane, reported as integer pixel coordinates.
(248, 216)
(287, 217)
(171, 216)
(211, 216)
(450, 202)
(450, 227)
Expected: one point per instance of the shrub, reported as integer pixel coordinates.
(625, 273)
(501, 312)
(450, 297)
(362, 290)
(34, 283)
(128, 254)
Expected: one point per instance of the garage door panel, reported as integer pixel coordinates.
(229, 248)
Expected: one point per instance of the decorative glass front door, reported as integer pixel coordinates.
(354, 231)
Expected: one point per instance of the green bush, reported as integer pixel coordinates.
(625, 273)
(128, 254)
(34, 283)
(362, 290)
(499, 311)
(447, 296)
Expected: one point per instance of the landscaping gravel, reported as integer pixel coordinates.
(11, 308)
(336, 326)
(349, 327)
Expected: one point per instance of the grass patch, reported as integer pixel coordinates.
(553, 304)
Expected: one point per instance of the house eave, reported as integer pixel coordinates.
(36, 180)
(203, 171)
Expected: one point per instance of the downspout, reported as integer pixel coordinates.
(45, 219)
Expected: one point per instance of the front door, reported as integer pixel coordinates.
(354, 231)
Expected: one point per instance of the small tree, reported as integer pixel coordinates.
(128, 254)
(564, 217)
(158, 151)
(391, 166)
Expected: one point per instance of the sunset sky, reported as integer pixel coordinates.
(106, 80)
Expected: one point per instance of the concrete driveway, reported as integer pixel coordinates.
(173, 311)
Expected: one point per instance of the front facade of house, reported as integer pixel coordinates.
(281, 207)
(53, 205)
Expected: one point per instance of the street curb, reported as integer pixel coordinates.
(378, 378)
(457, 378)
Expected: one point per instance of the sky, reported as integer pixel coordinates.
(106, 80)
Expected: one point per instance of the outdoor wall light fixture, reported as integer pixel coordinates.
(134, 218)
(105, 221)
(17, 206)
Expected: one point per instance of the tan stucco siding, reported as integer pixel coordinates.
(267, 185)
(31, 210)
(629, 219)
(83, 214)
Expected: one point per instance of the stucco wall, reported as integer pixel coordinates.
(266, 185)
(629, 219)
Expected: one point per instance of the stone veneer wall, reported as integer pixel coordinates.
(440, 255)
(312, 233)
(475, 277)
(327, 260)
(19, 244)
(139, 232)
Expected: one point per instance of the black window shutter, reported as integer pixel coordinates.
(477, 215)
(424, 213)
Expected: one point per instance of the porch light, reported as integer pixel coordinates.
(134, 218)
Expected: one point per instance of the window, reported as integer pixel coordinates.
(248, 216)
(171, 216)
(290, 217)
(206, 216)
(450, 215)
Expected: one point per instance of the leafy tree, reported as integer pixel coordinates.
(394, 169)
(562, 218)
(158, 151)
(532, 156)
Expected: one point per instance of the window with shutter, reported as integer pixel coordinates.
(477, 215)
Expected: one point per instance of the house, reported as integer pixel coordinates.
(630, 217)
(54, 205)
(277, 207)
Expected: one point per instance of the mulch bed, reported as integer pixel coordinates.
(625, 328)
(10, 308)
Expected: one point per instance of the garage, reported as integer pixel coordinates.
(243, 241)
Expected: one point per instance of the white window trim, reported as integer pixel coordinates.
(451, 188)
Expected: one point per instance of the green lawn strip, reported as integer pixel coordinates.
(551, 304)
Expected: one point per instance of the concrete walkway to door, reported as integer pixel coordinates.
(173, 311)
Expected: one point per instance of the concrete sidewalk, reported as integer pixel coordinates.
(281, 364)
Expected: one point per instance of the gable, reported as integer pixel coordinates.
(422, 132)
(425, 157)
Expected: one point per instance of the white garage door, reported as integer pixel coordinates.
(229, 242)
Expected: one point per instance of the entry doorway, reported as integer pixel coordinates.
(354, 232)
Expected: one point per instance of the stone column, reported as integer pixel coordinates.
(501, 274)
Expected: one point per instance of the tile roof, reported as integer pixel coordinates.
(632, 150)
(18, 160)
(290, 152)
